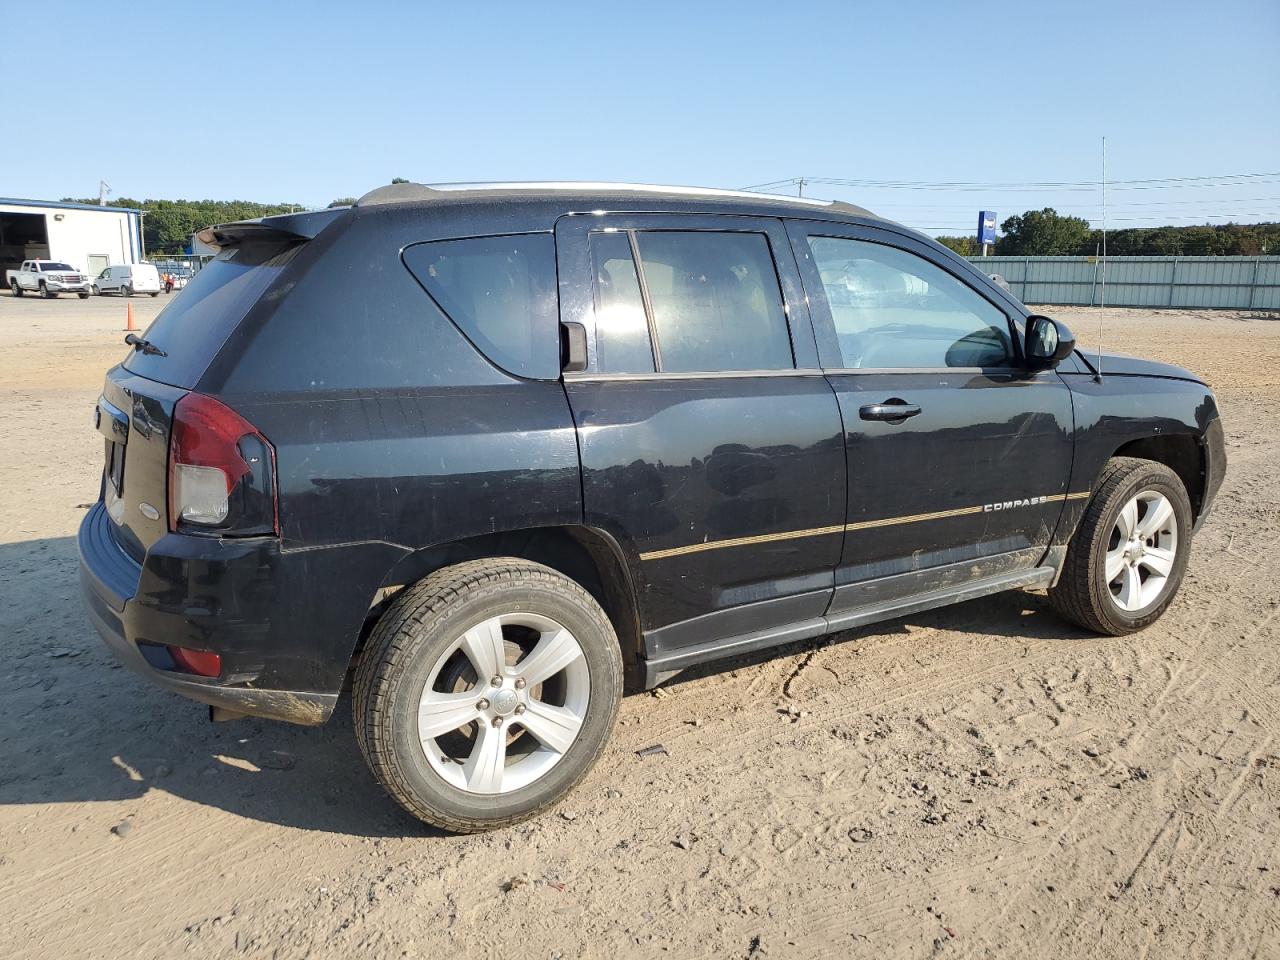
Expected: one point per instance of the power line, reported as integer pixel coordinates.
(1086, 206)
(1266, 219)
(1219, 180)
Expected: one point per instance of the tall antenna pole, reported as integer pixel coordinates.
(1102, 295)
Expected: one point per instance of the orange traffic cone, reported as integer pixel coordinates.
(129, 324)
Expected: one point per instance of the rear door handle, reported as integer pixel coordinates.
(892, 410)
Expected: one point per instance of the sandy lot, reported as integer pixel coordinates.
(977, 781)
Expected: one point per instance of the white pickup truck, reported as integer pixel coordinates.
(47, 277)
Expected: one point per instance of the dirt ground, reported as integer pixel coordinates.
(979, 781)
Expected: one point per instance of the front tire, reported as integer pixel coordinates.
(486, 692)
(46, 292)
(1128, 556)
(83, 294)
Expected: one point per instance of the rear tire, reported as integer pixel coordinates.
(560, 683)
(126, 291)
(17, 290)
(156, 294)
(1128, 556)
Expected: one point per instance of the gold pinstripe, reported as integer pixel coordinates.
(741, 542)
(837, 528)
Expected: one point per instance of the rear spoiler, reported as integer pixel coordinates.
(287, 226)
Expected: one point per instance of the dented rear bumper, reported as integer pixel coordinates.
(285, 624)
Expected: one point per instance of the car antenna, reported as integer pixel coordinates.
(1102, 301)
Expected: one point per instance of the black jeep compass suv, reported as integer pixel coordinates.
(485, 450)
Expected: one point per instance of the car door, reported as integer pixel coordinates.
(958, 455)
(710, 442)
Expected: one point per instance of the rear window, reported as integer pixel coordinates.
(501, 293)
(195, 324)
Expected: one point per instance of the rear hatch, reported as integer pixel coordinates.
(135, 411)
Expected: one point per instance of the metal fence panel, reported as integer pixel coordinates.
(1237, 283)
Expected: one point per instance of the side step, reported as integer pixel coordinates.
(663, 668)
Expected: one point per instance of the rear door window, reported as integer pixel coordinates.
(704, 301)
(622, 330)
(501, 293)
(196, 323)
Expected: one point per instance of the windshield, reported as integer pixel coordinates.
(196, 323)
(54, 265)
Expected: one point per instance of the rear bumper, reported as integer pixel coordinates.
(285, 625)
(293, 706)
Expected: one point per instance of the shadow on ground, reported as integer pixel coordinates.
(76, 727)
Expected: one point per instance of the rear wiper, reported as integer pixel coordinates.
(146, 346)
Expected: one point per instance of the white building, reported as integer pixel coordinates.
(89, 238)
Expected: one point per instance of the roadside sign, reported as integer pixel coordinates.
(987, 227)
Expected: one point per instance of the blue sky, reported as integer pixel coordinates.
(307, 102)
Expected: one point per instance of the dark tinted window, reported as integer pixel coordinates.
(893, 309)
(622, 330)
(501, 292)
(193, 327)
(715, 300)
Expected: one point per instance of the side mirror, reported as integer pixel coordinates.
(1048, 342)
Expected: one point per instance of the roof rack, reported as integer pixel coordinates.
(408, 192)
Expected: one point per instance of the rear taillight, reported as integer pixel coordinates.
(222, 472)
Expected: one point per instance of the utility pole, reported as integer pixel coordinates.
(103, 189)
(800, 187)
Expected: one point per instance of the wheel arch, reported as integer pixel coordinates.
(1183, 453)
(586, 555)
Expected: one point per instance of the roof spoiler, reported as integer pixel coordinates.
(287, 226)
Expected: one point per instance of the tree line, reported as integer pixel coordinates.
(168, 224)
(1047, 233)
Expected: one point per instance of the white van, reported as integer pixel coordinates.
(128, 279)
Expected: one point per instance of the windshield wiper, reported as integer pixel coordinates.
(146, 346)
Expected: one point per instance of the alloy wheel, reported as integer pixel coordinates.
(504, 703)
(1141, 551)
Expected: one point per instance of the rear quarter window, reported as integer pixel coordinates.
(501, 293)
(195, 324)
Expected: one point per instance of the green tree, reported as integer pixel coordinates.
(1043, 233)
(168, 224)
(399, 180)
(966, 246)
(1164, 242)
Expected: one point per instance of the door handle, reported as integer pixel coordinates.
(892, 410)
